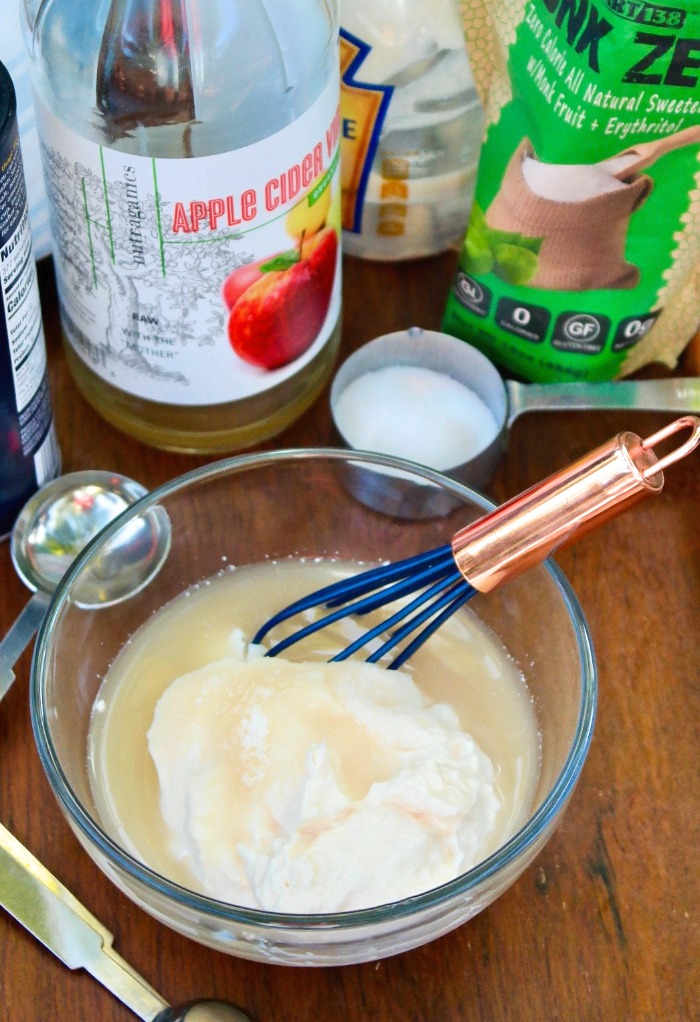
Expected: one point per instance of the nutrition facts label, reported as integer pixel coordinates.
(29, 450)
(22, 315)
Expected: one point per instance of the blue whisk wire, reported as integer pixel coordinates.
(439, 608)
(420, 605)
(433, 575)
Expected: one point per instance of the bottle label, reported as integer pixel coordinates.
(364, 107)
(203, 280)
(29, 454)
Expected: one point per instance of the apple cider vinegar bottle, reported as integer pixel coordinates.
(191, 157)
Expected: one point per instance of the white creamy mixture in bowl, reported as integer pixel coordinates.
(295, 811)
(306, 786)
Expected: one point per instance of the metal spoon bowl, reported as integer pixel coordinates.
(55, 525)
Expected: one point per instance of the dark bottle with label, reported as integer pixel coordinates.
(29, 454)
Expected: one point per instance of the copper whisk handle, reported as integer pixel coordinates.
(566, 505)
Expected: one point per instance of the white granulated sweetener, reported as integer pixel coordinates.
(415, 413)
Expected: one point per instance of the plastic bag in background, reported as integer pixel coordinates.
(412, 128)
(582, 257)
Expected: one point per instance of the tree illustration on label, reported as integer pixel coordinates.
(124, 303)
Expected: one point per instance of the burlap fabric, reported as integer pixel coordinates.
(583, 241)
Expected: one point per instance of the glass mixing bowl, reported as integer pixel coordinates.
(306, 503)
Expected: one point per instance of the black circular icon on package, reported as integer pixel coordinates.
(632, 329)
(472, 295)
(581, 332)
(523, 319)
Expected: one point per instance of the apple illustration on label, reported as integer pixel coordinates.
(240, 280)
(278, 304)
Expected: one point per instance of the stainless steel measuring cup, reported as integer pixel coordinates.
(506, 399)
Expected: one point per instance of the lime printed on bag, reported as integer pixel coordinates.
(511, 256)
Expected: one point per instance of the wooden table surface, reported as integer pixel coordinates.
(605, 925)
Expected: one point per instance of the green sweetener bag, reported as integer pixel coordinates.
(582, 256)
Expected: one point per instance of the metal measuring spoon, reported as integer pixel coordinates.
(55, 917)
(505, 399)
(54, 527)
(202, 1011)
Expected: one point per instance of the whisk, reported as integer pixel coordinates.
(503, 544)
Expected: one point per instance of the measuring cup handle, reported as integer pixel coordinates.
(18, 638)
(676, 394)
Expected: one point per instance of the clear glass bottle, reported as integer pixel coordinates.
(412, 128)
(190, 152)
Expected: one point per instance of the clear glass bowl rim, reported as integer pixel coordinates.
(523, 839)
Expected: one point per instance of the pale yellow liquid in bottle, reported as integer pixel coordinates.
(192, 429)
